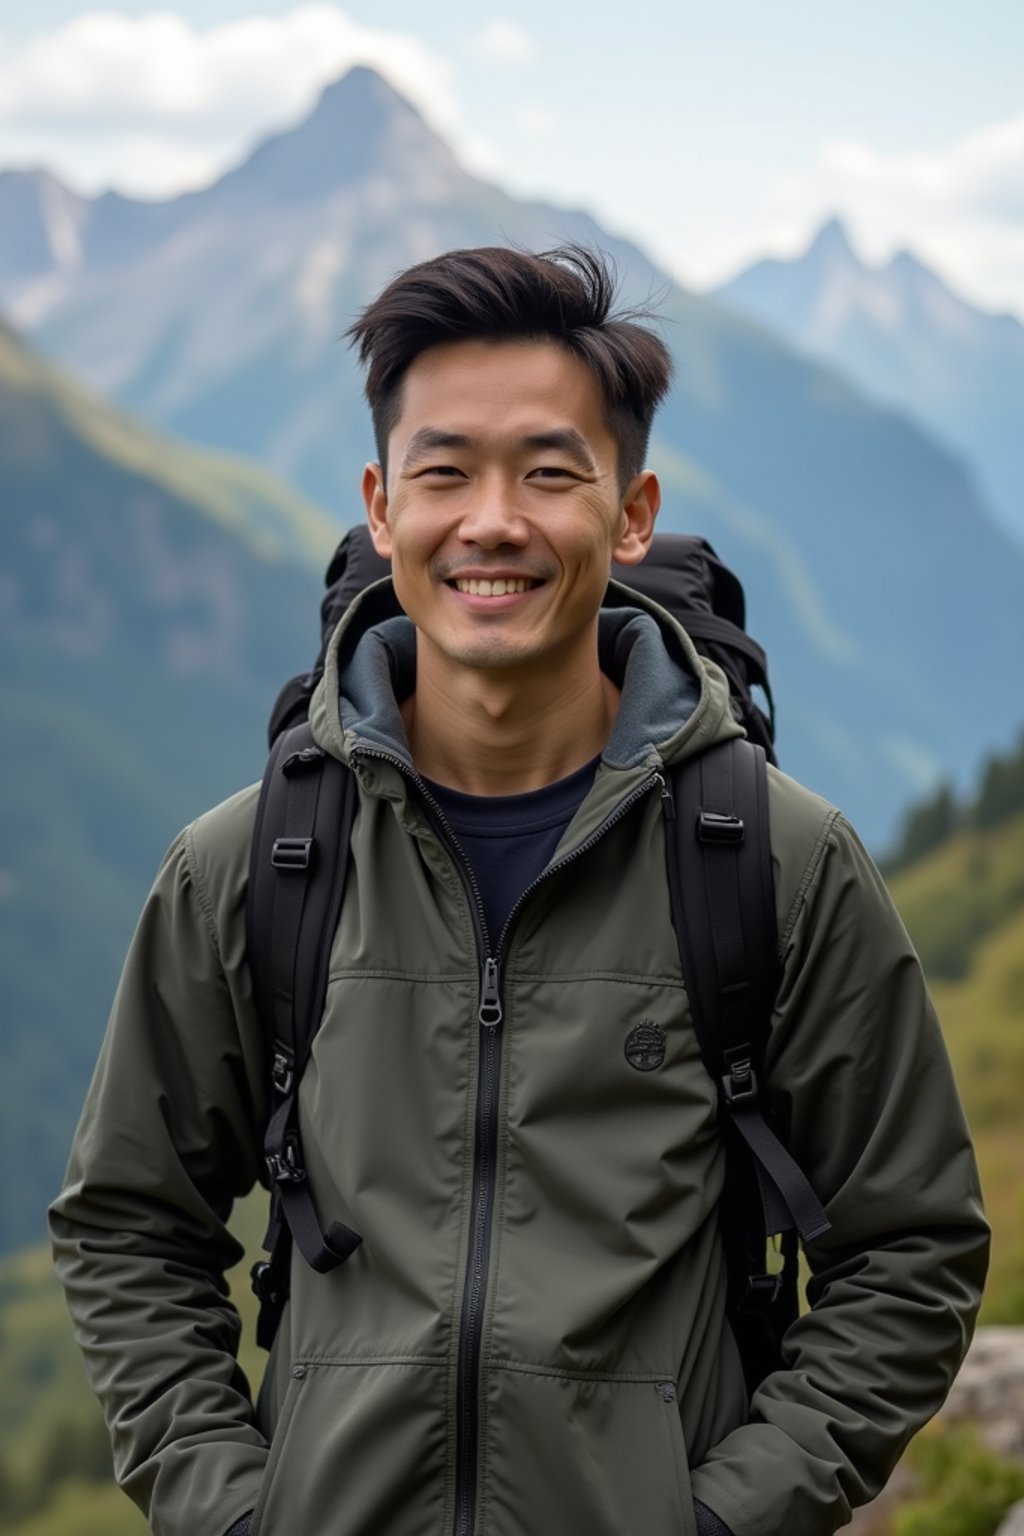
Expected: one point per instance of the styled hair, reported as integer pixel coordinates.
(498, 293)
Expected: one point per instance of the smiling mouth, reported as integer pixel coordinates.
(500, 586)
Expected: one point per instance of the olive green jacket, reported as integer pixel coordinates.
(531, 1340)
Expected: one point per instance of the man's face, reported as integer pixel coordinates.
(503, 510)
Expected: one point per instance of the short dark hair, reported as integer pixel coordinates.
(499, 293)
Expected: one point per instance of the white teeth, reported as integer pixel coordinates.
(501, 587)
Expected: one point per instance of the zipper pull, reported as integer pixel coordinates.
(668, 805)
(490, 1014)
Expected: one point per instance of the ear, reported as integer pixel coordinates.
(375, 497)
(639, 510)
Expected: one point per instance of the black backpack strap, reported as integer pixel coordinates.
(297, 872)
(712, 633)
(722, 895)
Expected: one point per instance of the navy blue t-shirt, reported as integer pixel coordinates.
(509, 839)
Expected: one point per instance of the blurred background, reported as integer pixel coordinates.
(827, 207)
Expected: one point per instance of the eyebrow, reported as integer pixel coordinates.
(429, 439)
(565, 440)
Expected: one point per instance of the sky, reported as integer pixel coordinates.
(711, 135)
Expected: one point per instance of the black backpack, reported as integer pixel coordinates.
(723, 908)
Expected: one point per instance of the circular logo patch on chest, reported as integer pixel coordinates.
(645, 1047)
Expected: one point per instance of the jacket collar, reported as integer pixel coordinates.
(674, 702)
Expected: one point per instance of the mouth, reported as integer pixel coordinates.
(495, 586)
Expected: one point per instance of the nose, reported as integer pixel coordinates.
(492, 517)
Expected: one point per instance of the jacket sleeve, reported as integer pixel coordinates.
(169, 1137)
(858, 1068)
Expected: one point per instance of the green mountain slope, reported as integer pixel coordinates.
(152, 599)
(964, 906)
(50, 425)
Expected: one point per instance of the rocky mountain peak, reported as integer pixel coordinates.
(360, 127)
(906, 274)
(831, 247)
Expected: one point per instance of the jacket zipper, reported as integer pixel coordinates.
(490, 1014)
(474, 1294)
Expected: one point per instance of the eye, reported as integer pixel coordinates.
(446, 471)
(551, 471)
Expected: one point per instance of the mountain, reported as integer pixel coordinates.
(900, 334)
(889, 602)
(52, 240)
(362, 130)
(41, 222)
(152, 600)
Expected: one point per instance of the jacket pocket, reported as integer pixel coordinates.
(677, 1447)
(603, 1455)
(359, 1450)
(299, 1375)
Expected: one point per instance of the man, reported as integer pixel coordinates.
(531, 1339)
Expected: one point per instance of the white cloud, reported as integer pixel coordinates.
(537, 121)
(982, 174)
(150, 103)
(506, 41)
(962, 209)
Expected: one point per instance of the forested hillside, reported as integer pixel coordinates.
(151, 602)
(962, 897)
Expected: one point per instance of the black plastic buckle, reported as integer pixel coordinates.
(285, 1167)
(293, 853)
(761, 1294)
(303, 759)
(282, 1071)
(717, 827)
(740, 1084)
(263, 1288)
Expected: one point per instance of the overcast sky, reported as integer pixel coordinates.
(710, 134)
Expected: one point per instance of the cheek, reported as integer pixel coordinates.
(415, 547)
(588, 547)
(412, 537)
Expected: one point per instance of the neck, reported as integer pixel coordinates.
(503, 733)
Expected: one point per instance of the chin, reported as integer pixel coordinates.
(489, 658)
(486, 652)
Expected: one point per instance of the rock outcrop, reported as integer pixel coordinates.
(1013, 1525)
(989, 1392)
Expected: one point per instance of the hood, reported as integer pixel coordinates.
(674, 702)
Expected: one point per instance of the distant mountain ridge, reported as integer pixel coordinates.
(901, 334)
(217, 316)
(361, 130)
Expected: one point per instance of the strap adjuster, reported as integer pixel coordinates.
(740, 1084)
(292, 853)
(718, 827)
(304, 758)
(285, 1167)
(282, 1071)
(263, 1283)
(761, 1294)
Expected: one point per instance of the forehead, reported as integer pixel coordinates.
(485, 389)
